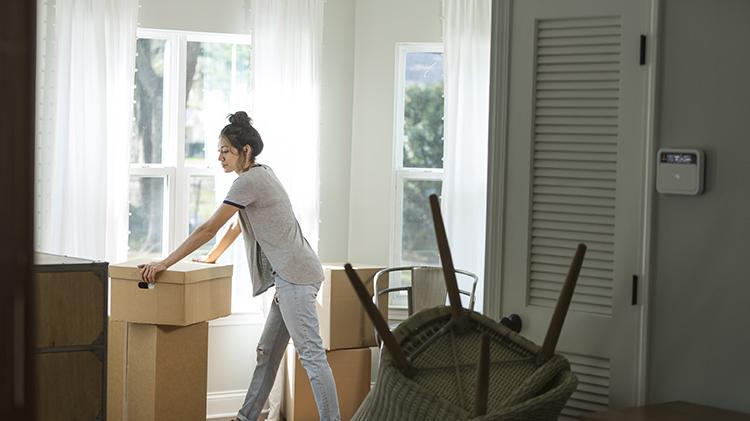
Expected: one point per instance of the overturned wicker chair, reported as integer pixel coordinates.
(443, 386)
(448, 363)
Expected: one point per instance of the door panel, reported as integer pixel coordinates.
(574, 174)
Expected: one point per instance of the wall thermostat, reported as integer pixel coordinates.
(679, 171)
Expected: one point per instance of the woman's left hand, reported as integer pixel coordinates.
(203, 259)
(150, 270)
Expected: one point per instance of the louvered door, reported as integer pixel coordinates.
(574, 170)
(574, 174)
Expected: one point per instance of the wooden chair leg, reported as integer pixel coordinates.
(380, 324)
(483, 376)
(449, 271)
(561, 308)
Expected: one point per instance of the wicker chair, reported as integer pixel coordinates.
(449, 363)
(443, 386)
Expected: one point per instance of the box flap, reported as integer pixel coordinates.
(183, 272)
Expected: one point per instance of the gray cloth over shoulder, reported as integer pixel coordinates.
(273, 237)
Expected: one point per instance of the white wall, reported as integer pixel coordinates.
(226, 16)
(700, 311)
(379, 26)
(231, 361)
(337, 81)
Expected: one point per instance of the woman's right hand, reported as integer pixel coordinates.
(149, 271)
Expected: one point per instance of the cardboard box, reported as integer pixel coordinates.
(343, 321)
(157, 373)
(351, 370)
(186, 293)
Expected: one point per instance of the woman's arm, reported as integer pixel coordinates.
(199, 237)
(224, 243)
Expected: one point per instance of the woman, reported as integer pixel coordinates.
(278, 254)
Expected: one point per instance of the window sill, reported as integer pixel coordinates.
(239, 319)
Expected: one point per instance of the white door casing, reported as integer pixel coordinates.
(575, 172)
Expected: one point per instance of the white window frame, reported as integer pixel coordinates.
(173, 168)
(401, 173)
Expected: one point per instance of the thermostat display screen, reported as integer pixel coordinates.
(678, 158)
(679, 171)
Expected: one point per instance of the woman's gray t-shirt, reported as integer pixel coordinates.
(271, 230)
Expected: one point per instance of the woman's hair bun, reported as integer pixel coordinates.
(240, 118)
(240, 132)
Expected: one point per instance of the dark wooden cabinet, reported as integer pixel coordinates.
(70, 337)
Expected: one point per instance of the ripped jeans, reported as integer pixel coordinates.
(292, 314)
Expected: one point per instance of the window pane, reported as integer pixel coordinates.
(146, 217)
(423, 111)
(201, 204)
(418, 244)
(399, 299)
(218, 83)
(148, 108)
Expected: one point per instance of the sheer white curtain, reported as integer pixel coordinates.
(466, 41)
(288, 43)
(83, 137)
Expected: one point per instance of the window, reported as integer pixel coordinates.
(418, 157)
(185, 85)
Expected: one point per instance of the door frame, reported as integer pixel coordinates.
(496, 172)
(18, 54)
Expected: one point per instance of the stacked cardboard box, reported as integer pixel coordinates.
(347, 335)
(158, 340)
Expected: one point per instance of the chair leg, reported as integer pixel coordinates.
(483, 376)
(446, 258)
(561, 308)
(380, 324)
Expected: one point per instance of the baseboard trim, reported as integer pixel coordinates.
(223, 406)
(220, 405)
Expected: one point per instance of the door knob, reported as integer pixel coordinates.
(512, 322)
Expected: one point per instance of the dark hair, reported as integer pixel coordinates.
(240, 132)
